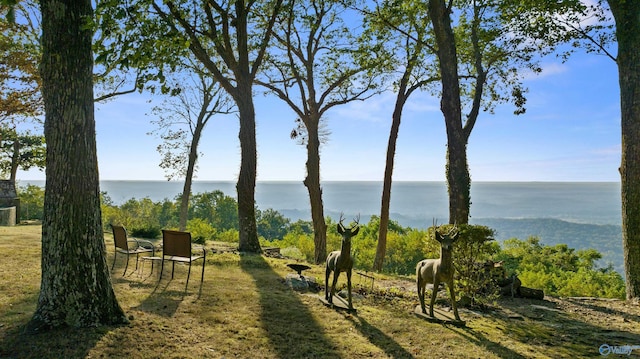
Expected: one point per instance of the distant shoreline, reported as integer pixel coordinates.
(338, 181)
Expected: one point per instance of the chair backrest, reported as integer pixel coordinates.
(175, 243)
(120, 237)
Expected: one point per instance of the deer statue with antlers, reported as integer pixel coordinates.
(341, 261)
(438, 271)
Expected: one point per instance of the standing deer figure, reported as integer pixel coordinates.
(341, 261)
(438, 271)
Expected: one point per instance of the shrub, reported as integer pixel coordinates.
(560, 270)
(230, 236)
(201, 231)
(292, 252)
(148, 231)
(31, 201)
(475, 245)
(405, 251)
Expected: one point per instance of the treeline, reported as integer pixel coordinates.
(557, 269)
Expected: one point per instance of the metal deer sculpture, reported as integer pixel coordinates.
(438, 271)
(341, 261)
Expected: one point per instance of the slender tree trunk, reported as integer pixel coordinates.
(458, 179)
(14, 160)
(186, 191)
(247, 179)
(627, 16)
(312, 182)
(381, 249)
(75, 287)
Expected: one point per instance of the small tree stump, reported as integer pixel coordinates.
(531, 293)
(8, 216)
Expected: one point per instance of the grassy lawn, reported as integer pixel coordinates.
(245, 310)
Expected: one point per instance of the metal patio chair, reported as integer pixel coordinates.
(176, 247)
(129, 246)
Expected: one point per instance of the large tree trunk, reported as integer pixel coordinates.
(627, 18)
(247, 179)
(75, 287)
(458, 179)
(381, 249)
(312, 182)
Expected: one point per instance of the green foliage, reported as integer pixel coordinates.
(560, 270)
(297, 239)
(292, 252)
(22, 150)
(475, 245)
(201, 230)
(271, 224)
(216, 208)
(404, 251)
(31, 201)
(229, 236)
(146, 232)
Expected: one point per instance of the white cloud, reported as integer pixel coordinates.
(548, 70)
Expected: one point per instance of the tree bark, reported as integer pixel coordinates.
(312, 182)
(627, 19)
(188, 179)
(458, 179)
(248, 166)
(15, 159)
(75, 287)
(381, 249)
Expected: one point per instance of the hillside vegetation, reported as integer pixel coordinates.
(245, 310)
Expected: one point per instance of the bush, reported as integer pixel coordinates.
(31, 202)
(405, 251)
(475, 246)
(229, 236)
(292, 252)
(150, 231)
(560, 270)
(201, 231)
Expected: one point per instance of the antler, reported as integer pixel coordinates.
(453, 229)
(341, 219)
(357, 220)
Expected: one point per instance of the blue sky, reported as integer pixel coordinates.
(570, 132)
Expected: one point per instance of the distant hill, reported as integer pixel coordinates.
(607, 239)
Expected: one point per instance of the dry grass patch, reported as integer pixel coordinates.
(244, 310)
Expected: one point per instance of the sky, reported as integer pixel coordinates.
(570, 132)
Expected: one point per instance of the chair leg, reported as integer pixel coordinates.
(114, 260)
(126, 266)
(173, 267)
(161, 269)
(188, 275)
(204, 260)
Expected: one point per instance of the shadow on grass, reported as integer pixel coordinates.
(162, 300)
(603, 309)
(290, 326)
(64, 342)
(479, 339)
(380, 339)
(555, 331)
(551, 333)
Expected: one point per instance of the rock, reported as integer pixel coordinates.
(343, 294)
(301, 283)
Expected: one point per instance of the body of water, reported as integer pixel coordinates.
(580, 214)
(412, 203)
